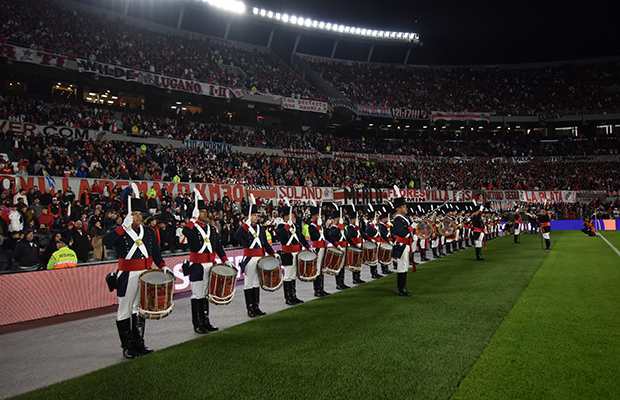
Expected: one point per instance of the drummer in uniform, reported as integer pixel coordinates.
(402, 251)
(479, 232)
(374, 235)
(204, 243)
(544, 221)
(337, 236)
(137, 249)
(319, 246)
(386, 235)
(251, 235)
(356, 238)
(287, 235)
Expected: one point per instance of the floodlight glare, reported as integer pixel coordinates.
(255, 11)
(278, 16)
(322, 25)
(293, 19)
(263, 13)
(270, 14)
(285, 17)
(301, 21)
(314, 23)
(363, 32)
(228, 5)
(358, 31)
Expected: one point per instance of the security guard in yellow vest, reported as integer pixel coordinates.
(64, 257)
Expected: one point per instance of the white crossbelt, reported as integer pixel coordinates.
(256, 235)
(320, 229)
(205, 235)
(293, 236)
(137, 243)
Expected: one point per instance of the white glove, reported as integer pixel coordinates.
(277, 255)
(373, 240)
(340, 248)
(315, 251)
(167, 271)
(481, 208)
(359, 245)
(229, 263)
(127, 222)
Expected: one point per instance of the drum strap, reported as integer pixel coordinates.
(256, 234)
(137, 243)
(205, 235)
(386, 227)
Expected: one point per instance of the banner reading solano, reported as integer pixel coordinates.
(460, 116)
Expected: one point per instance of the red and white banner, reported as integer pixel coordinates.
(552, 196)
(352, 156)
(305, 105)
(392, 157)
(460, 116)
(300, 152)
(49, 130)
(304, 195)
(31, 56)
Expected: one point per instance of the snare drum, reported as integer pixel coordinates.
(370, 253)
(333, 260)
(307, 269)
(270, 273)
(385, 253)
(222, 284)
(156, 289)
(354, 259)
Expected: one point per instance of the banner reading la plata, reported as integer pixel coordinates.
(550, 196)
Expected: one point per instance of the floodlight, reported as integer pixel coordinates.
(375, 33)
(255, 11)
(278, 16)
(263, 13)
(322, 25)
(364, 31)
(381, 33)
(284, 17)
(313, 23)
(293, 19)
(347, 29)
(358, 31)
(270, 14)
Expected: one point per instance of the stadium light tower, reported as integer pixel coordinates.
(237, 7)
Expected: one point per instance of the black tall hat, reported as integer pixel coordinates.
(253, 209)
(138, 204)
(314, 210)
(202, 205)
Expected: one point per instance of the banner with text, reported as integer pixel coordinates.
(460, 116)
(305, 105)
(28, 129)
(550, 196)
(31, 56)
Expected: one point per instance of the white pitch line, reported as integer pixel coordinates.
(610, 245)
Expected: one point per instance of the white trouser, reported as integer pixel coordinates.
(290, 271)
(422, 244)
(250, 276)
(402, 264)
(479, 240)
(128, 304)
(320, 258)
(545, 235)
(435, 242)
(200, 288)
(517, 229)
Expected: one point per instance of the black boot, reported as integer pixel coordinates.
(385, 270)
(461, 245)
(198, 315)
(357, 278)
(256, 295)
(319, 285)
(423, 256)
(249, 302)
(207, 325)
(288, 299)
(548, 243)
(138, 324)
(448, 248)
(374, 273)
(126, 336)
(479, 254)
(434, 250)
(294, 297)
(340, 281)
(516, 238)
(454, 247)
(402, 285)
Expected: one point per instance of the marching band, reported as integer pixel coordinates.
(338, 238)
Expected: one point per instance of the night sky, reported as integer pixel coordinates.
(479, 32)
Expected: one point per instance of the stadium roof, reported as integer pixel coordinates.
(452, 32)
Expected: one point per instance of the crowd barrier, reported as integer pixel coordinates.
(29, 296)
(577, 224)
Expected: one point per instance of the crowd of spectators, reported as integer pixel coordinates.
(563, 88)
(53, 28)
